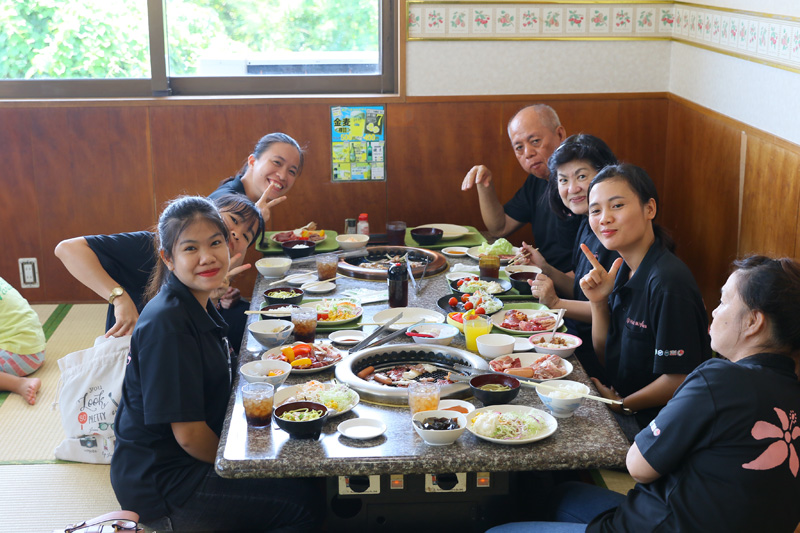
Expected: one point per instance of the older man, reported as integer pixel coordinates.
(535, 132)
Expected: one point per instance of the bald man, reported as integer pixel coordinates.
(535, 132)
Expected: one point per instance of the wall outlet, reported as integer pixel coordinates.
(29, 273)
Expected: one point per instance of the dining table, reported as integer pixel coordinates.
(397, 470)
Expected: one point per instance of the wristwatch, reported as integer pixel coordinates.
(625, 410)
(116, 291)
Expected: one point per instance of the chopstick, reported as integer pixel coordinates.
(309, 285)
(271, 312)
(396, 323)
(523, 253)
(287, 278)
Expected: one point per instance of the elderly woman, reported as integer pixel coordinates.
(722, 454)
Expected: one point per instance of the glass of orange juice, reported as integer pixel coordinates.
(474, 327)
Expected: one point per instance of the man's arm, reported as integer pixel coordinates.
(497, 222)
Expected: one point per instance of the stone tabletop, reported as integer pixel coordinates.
(589, 439)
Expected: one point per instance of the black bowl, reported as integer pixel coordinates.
(287, 316)
(310, 429)
(519, 280)
(426, 236)
(494, 397)
(292, 300)
(504, 284)
(306, 248)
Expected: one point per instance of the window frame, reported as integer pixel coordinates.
(160, 84)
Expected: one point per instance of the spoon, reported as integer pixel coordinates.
(558, 320)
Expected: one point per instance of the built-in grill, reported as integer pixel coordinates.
(356, 267)
(444, 358)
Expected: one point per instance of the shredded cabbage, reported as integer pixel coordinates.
(337, 396)
(507, 426)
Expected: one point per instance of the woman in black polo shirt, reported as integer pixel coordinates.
(268, 174)
(722, 455)
(649, 323)
(175, 395)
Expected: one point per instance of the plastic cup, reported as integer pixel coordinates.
(423, 396)
(396, 233)
(257, 400)
(305, 324)
(326, 266)
(475, 327)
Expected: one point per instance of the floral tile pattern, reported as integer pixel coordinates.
(771, 40)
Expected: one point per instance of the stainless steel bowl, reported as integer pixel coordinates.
(443, 357)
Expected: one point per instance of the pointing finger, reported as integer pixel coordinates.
(592, 259)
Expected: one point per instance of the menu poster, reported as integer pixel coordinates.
(358, 143)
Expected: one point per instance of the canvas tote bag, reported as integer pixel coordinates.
(91, 386)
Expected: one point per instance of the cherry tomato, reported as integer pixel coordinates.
(453, 301)
(480, 311)
(468, 306)
(464, 297)
(461, 282)
(322, 316)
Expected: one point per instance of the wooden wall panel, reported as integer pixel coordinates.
(699, 198)
(19, 202)
(772, 198)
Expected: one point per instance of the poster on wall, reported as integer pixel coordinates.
(358, 139)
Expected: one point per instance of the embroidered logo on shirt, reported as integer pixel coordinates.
(636, 323)
(669, 353)
(654, 428)
(777, 452)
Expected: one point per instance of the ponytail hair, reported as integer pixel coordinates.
(175, 218)
(641, 184)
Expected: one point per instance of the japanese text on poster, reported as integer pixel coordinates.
(358, 137)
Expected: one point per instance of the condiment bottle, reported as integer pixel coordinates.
(363, 224)
(350, 225)
(397, 277)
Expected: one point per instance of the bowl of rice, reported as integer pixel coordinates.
(562, 403)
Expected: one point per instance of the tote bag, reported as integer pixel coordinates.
(91, 386)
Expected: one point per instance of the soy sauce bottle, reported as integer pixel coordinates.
(398, 285)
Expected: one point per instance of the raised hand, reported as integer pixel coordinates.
(264, 204)
(478, 174)
(598, 283)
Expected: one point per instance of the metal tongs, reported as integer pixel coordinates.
(375, 333)
(352, 253)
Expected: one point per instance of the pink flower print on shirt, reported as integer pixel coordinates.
(777, 452)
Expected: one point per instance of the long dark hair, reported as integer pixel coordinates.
(641, 184)
(263, 145)
(580, 147)
(175, 218)
(241, 206)
(772, 286)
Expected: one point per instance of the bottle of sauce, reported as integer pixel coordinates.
(363, 224)
(398, 285)
(350, 225)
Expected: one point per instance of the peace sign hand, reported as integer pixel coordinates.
(264, 205)
(598, 283)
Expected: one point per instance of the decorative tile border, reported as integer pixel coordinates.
(759, 37)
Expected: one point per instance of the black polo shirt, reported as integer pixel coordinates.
(178, 371)
(554, 236)
(658, 324)
(726, 448)
(581, 266)
(128, 258)
(234, 186)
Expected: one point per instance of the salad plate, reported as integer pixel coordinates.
(547, 420)
(505, 256)
(332, 305)
(502, 285)
(349, 397)
(275, 353)
(444, 305)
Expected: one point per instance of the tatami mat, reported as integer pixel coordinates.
(617, 481)
(31, 432)
(44, 497)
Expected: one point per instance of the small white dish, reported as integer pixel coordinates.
(455, 251)
(318, 288)
(411, 315)
(446, 405)
(522, 345)
(300, 280)
(347, 337)
(451, 276)
(362, 428)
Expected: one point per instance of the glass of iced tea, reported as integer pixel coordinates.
(423, 396)
(489, 266)
(305, 323)
(257, 400)
(326, 266)
(396, 233)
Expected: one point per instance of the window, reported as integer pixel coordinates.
(97, 48)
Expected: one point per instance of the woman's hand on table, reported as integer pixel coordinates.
(544, 290)
(609, 393)
(125, 314)
(264, 204)
(598, 283)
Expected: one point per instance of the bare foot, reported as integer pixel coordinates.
(28, 388)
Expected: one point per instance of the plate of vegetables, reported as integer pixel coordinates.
(501, 248)
(336, 396)
(306, 358)
(511, 424)
(334, 311)
(482, 302)
(471, 284)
